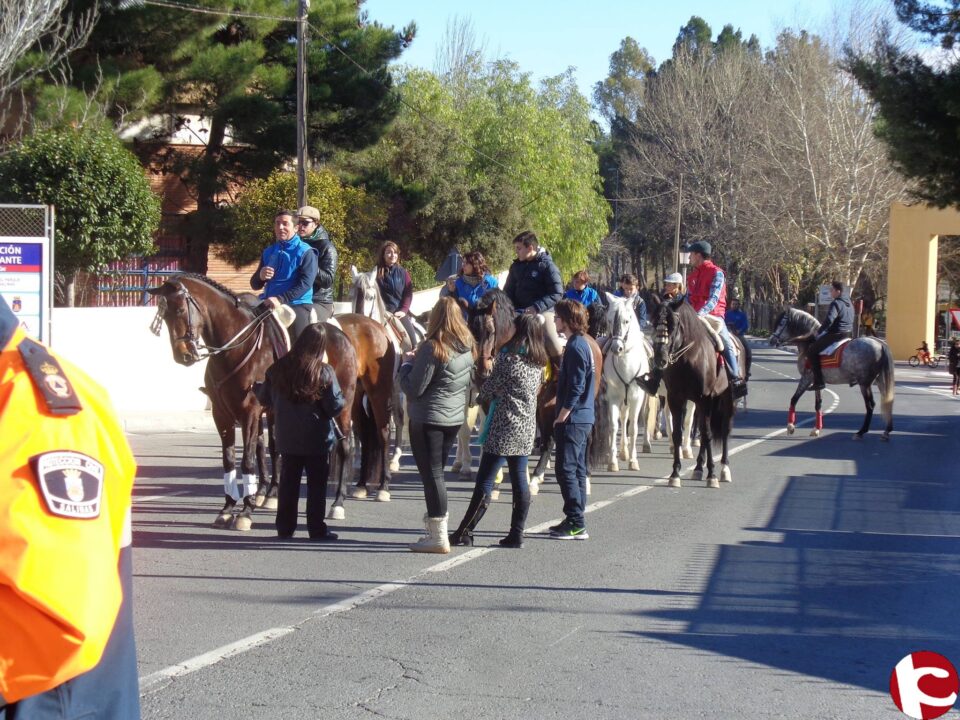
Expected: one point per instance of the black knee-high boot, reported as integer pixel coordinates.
(478, 506)
(518, 520)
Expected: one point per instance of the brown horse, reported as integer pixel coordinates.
(207, 320)
(692, 372)
(373, 405)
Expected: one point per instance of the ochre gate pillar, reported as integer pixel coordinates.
(912, 274)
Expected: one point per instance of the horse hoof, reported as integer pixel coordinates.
(613, 467)
(686, 453)
(359, 493)
(224, 520)
(336, 513)
(259, 500)
(790, 428)
(885, 437)
(394, 466)
(270, 503)
(495, 494)
(647, 448)
(383, 496)
(858, 436)
(242, 523)
(675, 482)
(456, 466)
(696, 475)
(634, 465)
(534, 487)
(725, 474)
(815, 433)
(466, 474)
(624, 455)
(713, 482)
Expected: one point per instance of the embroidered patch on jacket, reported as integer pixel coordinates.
(71, 483)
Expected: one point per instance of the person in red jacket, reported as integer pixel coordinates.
(707, 293)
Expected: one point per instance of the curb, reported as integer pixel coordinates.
(187, 421)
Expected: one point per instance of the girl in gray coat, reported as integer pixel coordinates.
(508, 433)
(435, 379)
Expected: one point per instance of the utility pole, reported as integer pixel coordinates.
(676, 239)
(302, 159)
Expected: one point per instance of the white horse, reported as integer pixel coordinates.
(627, 357)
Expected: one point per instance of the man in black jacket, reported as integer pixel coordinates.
(316, 236)
(837, 326)
(534, 286)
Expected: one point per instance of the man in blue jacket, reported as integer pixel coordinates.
(575, 418)
(534, 286)
(286, 272)
(836, 326)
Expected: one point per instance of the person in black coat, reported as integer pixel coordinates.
(305, 397)
(534, 286)
(316, 236)
(836, 326)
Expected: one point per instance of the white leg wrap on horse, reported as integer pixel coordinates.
(230, 484)
(249, 484)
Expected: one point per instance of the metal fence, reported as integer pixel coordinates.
(125, 282)
(26, 221)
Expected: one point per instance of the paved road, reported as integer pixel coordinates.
(790, 593)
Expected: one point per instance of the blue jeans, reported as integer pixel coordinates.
(571, 439)
(728, 354)
(490, 464)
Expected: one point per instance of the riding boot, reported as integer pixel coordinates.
(475, 510)
(737, 386)
(650, 382)
(518, 520)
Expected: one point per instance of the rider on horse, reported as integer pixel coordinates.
(707, 293)
(286, 272)
(838, 325)
(396, 287)
(630, 288)
(316, 236)
(534, 286)
(473, 280)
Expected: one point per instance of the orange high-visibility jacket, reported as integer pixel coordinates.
(65, 495)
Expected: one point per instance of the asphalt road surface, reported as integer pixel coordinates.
(790, 593)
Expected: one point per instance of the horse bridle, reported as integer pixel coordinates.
(615, 335)
(662, 337)
(194, 339)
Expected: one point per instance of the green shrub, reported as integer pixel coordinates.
(421, 274)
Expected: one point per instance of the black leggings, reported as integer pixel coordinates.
(431, 446)
(288, 496)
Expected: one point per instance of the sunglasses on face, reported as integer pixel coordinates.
(301, 223)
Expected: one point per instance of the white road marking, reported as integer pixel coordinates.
(154, 498)
(160, 679)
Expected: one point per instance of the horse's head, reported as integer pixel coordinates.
(779, 327)
(621, 321)
(184, 318)
(666, 335)
(491, 321)
(366, 295)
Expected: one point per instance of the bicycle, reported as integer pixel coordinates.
(926, 358)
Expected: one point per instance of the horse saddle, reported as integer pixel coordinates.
(713, 325)
(283, 316)
(832, 355)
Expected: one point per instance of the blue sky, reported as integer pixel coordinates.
(547, 36)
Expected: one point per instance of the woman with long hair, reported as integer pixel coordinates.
(473, 280)
(396, 287)
(305, 396)
(508, 433)
(435, 379)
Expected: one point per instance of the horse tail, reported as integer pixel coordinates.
(601, 440)
(886, 382)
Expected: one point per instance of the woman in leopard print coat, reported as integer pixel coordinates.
(508, 433)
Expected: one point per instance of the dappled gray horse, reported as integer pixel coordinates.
(863, 361)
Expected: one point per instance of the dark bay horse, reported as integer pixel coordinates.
(684, 350)
(207, 320)
(492, 321)
(864, 361)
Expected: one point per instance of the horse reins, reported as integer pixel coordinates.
(606, 350)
